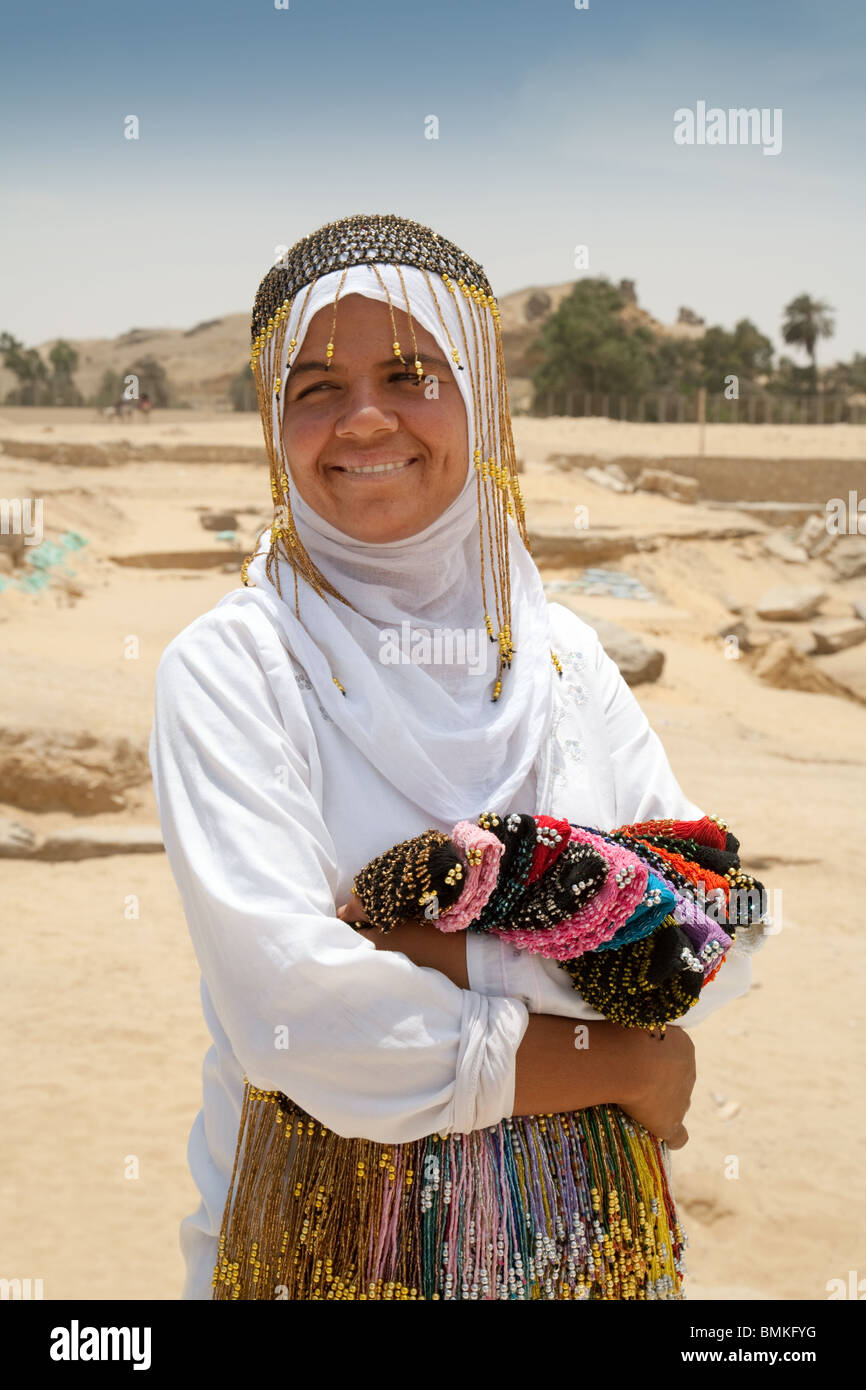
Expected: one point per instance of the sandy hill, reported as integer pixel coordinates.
(199, 361)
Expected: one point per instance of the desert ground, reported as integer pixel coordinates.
(104, 1037)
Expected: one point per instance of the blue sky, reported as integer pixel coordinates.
(555, 130)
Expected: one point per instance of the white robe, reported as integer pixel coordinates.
(267, 813)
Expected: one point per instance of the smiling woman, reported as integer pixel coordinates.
(412, 1104)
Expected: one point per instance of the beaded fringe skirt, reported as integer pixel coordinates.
(565, 1206)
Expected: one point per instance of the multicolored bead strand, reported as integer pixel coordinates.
(567, 1206)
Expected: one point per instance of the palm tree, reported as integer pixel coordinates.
(806, 320)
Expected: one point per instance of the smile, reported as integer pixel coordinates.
(377, 469)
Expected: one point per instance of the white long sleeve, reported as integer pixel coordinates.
(369, 1043)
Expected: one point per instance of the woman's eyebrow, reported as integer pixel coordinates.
(424, 357)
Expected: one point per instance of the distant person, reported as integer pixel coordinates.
(144, 406)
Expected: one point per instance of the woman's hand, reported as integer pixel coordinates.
(651, 1079)
(419, 940)
(658, 1079)
(352, 911)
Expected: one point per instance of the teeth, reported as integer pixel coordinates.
(381, 467)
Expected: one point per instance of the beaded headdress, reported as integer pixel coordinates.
(397, 242)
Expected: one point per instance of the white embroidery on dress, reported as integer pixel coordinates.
(573, 666)
(579, 692)
(575, 749)
(557, 761)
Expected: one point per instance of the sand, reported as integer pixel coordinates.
(104, 1038)
(536, 438)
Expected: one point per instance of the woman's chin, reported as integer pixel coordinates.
(385, 519)
(379, 530)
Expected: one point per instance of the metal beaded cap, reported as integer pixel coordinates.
(358, 240)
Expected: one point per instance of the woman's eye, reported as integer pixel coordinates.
(311, 388)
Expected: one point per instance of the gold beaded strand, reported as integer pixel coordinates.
(419, 369)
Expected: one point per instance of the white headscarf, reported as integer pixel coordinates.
(432, 729)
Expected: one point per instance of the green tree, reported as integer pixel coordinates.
(677, 365)
(745, 353)
(64, 361)
(806, 320)
(586, 346)
(791, 379)
(63, 358)
(848, 377)
(29, 368)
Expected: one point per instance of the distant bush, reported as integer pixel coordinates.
(36, 384)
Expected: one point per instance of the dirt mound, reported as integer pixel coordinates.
(75, 772)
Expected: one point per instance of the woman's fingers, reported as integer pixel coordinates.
(352, 911)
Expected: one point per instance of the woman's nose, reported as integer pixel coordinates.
(366, 410)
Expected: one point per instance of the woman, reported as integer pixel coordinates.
(390, 665)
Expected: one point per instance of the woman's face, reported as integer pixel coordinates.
(364, 411)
